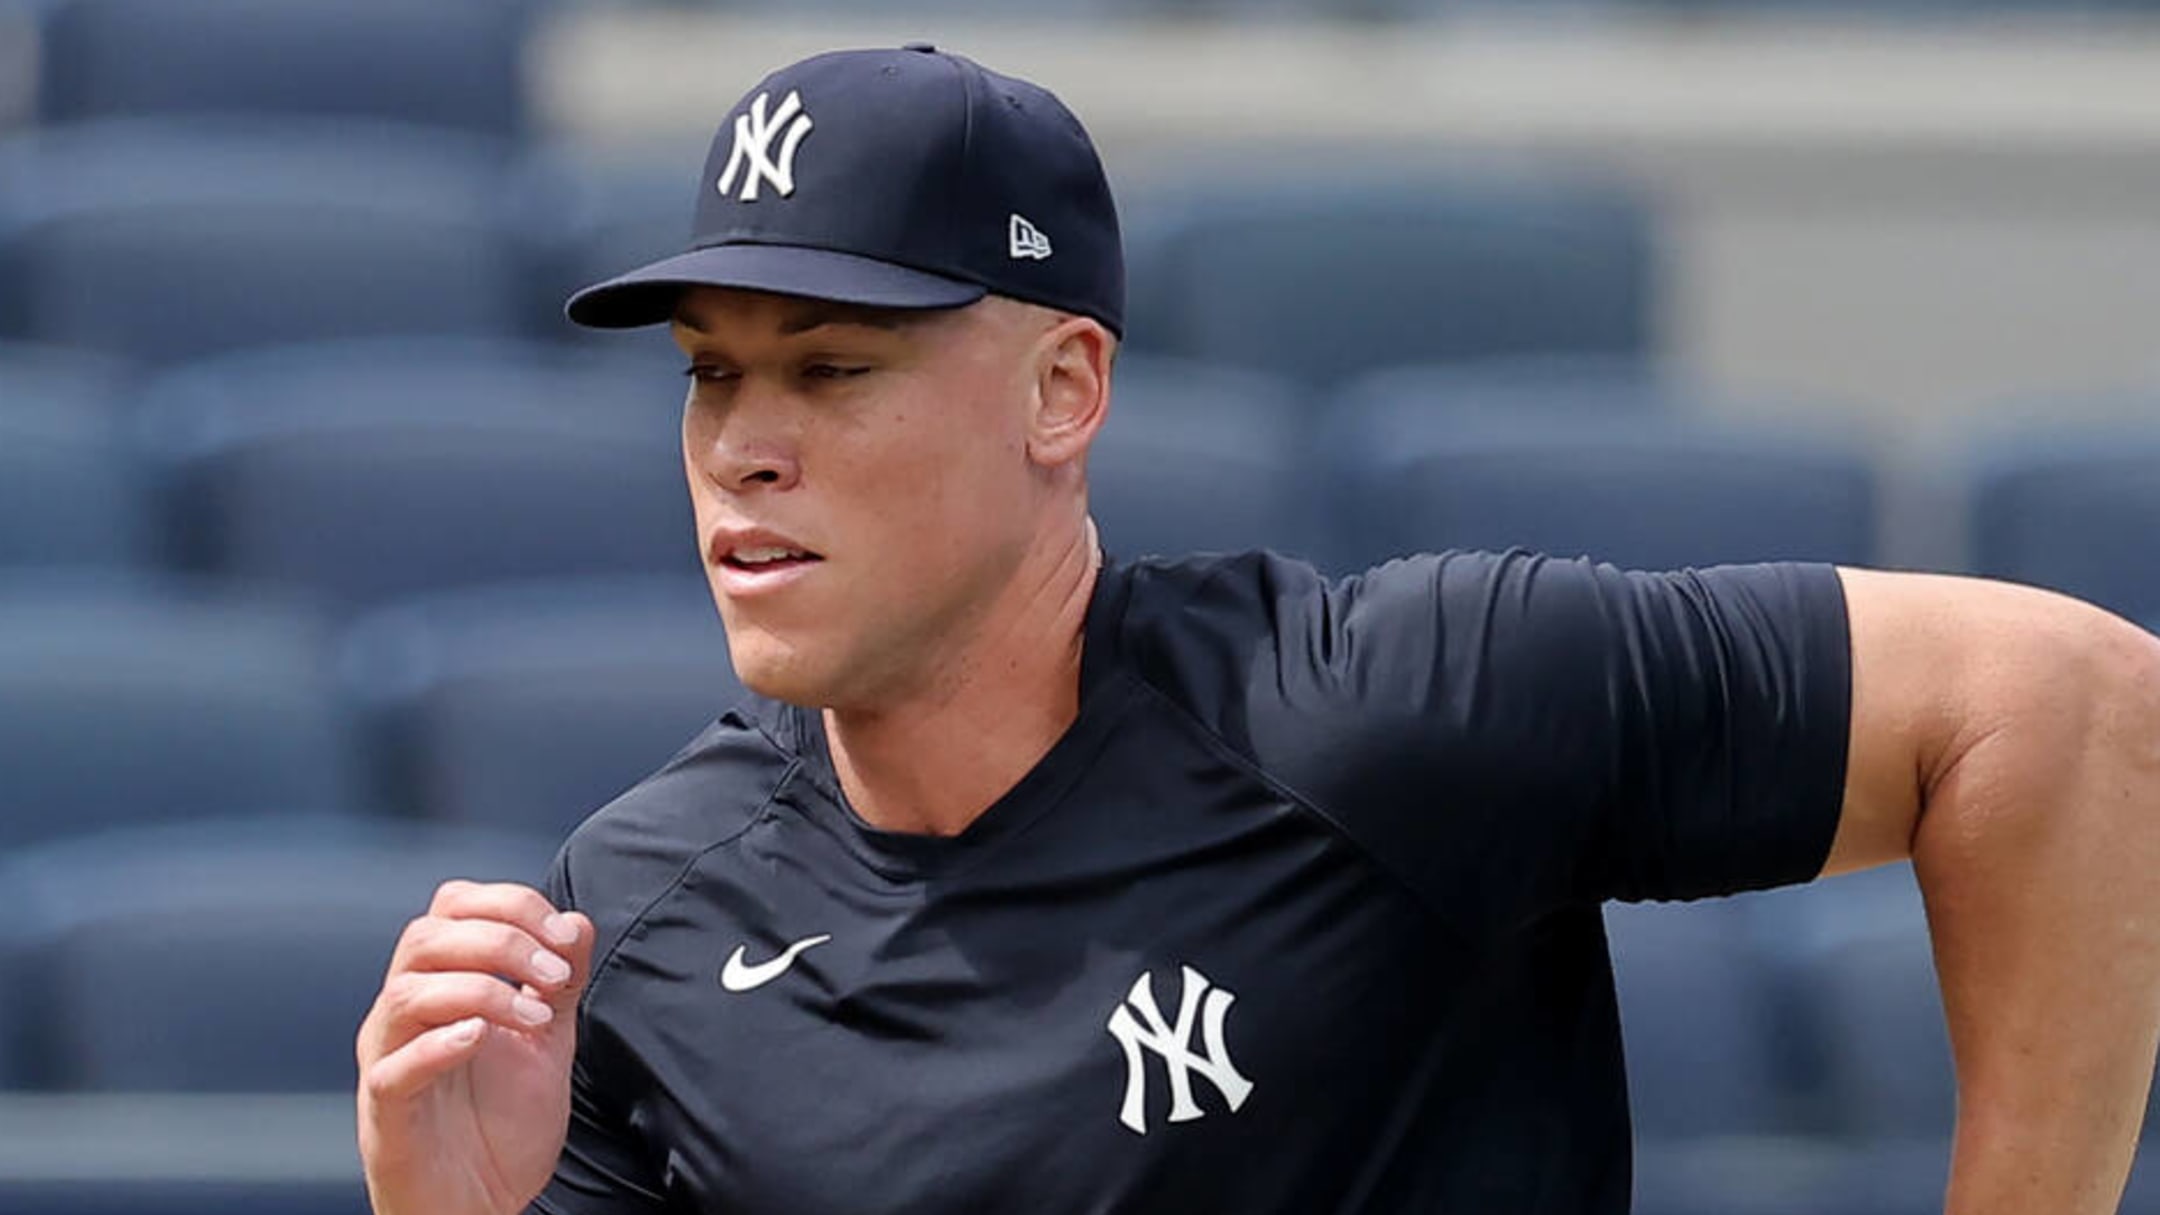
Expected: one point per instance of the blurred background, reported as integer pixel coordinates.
(334, 563)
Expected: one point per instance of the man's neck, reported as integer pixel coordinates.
(932, 765)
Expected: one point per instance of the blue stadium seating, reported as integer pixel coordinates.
(1560, 387)
(2078, 511)
(18, 1049)
(457, 65)
(1890, 1057)
(1862, 1076)
(160, 240)
(2142, 1196)
(1860, 950)
(124, 699)
(588, 219)
(69, 495)
(227, 955)
(34, 376)
(1748, 1175)
(363, 471)
(184, 1190)
(1358, 274)
(1698, 1021)
(18, 61)
(1638, 492)
(1065, 10)
(530, 706)
(1197, 458)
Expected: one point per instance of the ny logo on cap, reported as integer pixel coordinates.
(754, 134)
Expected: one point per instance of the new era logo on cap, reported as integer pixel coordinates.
(904, 178)
(1025, 240)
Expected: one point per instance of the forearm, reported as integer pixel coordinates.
(2038, 851)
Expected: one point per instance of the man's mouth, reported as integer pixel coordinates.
(767, 558)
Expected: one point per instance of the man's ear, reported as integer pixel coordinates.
(1072, 391)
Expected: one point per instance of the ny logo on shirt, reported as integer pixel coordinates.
(754, 134)
(1150, 1032)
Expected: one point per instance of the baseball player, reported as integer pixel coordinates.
(1033, 880)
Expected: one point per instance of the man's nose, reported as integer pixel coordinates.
(751, 444)
(744, 466)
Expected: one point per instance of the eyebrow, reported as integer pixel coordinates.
(818, 315)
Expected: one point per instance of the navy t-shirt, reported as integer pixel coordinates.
(1300, 916)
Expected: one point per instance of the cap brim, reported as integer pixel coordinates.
(646, 296)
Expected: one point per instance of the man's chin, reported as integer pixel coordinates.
(779, 672)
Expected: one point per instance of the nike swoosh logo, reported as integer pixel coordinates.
(738, 976)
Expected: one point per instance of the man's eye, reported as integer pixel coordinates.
(832, 371)
(707, 374)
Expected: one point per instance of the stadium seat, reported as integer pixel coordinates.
(18, 61)
(2077, 511)
(456, 65)
(587, 219)
(18, 1049)
(159, 241)
(1638, 492)
(1699, 1020)
(1363, 273)
(36, 376)
(528, 707)
(366, 471)
(1789, 1175)
(1866, 972)
(181, 1190)
(124, 699)
(2142, 1195)
(68, 493)
(1067, 10)
(1198, 458)
(230, 955)
(1560, 386)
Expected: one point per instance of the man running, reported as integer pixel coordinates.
(1030, 880)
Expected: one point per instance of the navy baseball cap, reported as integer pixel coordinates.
(907, 178)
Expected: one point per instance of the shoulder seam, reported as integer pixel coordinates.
(1257, 771)
(763, 812)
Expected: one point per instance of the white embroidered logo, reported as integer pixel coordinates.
(754, 134)
(1026, 241)
(739, 975)
(1149, 1031)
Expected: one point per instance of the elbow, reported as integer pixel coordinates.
(2127, 722)
(2059, 772)
(2067, 707)
(2105, 701)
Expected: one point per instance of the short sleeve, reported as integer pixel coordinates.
(1516, 734)
(604, 1168)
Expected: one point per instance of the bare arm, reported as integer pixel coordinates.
(2008, 741)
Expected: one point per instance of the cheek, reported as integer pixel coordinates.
(702, 513)
(961, 499)
(935, 485)
(915, 500)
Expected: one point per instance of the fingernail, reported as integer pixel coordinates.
(560, 929)
(531, 1011)
(467, 1032)
(549, 967)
